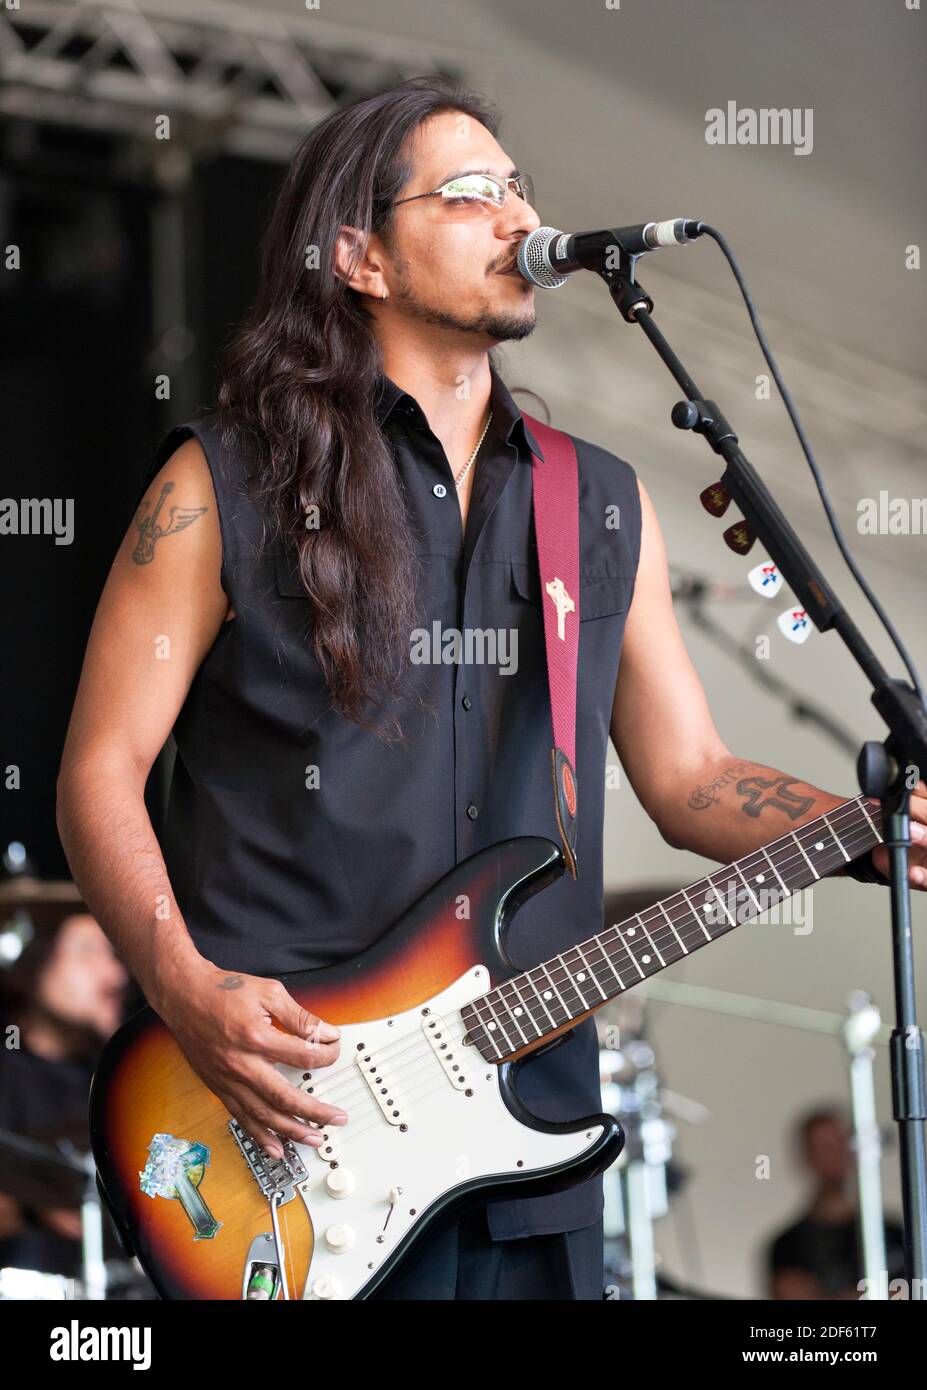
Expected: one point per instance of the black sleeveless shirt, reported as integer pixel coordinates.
(294, 838)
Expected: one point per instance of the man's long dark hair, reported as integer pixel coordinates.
(298, 385)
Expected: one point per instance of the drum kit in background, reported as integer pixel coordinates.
(41, 1175)
(644, 1179)
(641, 1183)
(54, 1171)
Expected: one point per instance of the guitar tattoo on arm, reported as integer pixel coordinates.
(151, 529)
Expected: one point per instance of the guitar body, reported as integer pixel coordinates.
(432, 1126)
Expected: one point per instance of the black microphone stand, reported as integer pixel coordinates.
(882, 768)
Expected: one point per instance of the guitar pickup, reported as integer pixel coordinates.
(381, 1089)
(448, 1052)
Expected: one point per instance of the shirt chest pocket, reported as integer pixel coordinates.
(288, 583)
(601, 592)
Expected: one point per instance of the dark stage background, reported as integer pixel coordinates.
(86, 336)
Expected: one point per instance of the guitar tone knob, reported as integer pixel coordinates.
(340, 1182)
(326, 1287)
(339, 1238)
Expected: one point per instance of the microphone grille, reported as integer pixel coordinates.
(533, 262)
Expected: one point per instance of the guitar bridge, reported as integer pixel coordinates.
(273, 1175)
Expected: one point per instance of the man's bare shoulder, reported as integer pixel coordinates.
(180, 496)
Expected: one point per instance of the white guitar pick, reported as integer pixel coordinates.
(765, 579)
(795, 624)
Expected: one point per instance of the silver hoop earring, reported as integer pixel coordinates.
(383, 297)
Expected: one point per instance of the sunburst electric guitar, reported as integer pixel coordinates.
(434, 1021)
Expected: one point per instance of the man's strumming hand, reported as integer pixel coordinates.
(225, 1025)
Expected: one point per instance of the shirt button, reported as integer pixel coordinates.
(467, 702)
(472, 812)
(439, 490)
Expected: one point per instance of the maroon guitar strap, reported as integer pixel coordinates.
(555, 484)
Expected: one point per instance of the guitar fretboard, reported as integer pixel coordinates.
(529, 1007)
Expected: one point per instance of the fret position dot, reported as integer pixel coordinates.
(581, 976)
(820, 844)
(759, 878)
(645, 959)
(547, 994)
(517, 1010)
(630, 931)
(492, 1027)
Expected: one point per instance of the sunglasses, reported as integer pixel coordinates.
(481, 190)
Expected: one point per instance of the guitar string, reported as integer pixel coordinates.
(424, 1067)
(664, 936)
(327, 1092)
(428, 1083)
(561, 975)
(403, 1076)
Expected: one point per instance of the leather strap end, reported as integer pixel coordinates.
(565, 806)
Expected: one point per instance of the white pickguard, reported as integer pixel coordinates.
(450, 1138)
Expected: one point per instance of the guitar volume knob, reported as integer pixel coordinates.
(340, 1182)
(326, 1287)
(339, 1238)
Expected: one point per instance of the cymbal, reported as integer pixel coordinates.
(38, 1175)
(25, 891)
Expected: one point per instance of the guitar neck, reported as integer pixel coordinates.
(518, 1015)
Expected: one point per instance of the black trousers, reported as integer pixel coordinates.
(460, 1260)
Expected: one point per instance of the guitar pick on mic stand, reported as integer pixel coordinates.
(881, 767)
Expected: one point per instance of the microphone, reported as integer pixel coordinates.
(546, 257)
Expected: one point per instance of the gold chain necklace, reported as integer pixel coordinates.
(469, 464)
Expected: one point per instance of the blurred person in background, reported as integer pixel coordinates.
(59, 1002)
(819, 1256)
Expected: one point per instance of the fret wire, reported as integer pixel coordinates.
(721, 901)
(474, 1004)
(595, 943)
(572, 984)
(805, 853)
(495, 1019)
(576, 980)
(623, 938)
(836, 837)
(776, 872)
(689, 912)
(693, 911)
(534, 1006)
(599, 942)
(514, 1014)
(731, 893)
(608, 960)
(673, 929)
(869, 819)
(592, 972)
(522, 983)
(661, 907)
(541, 999)
(748, 888)
(639, 918)
(622, 941)
(564, 965)
(566, 1012)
